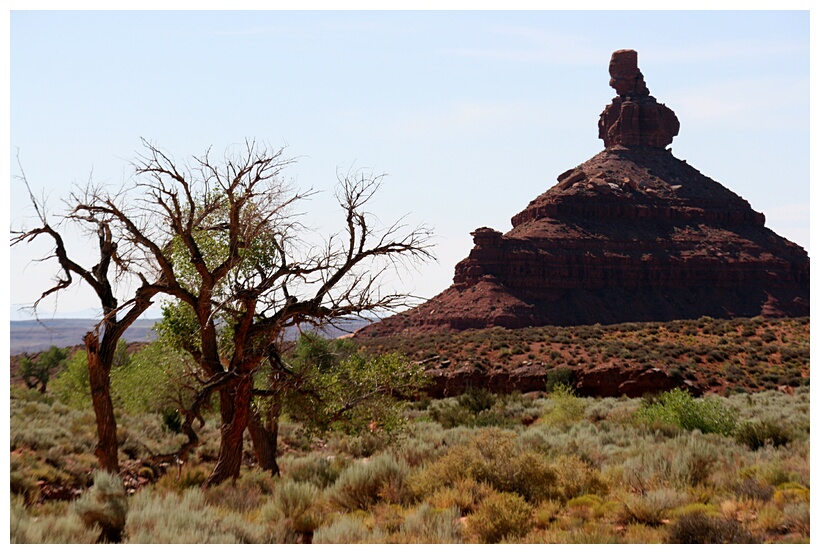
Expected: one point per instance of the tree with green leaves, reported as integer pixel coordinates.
(235, 261)
(36, 373)
(333, 385)
(223, 242)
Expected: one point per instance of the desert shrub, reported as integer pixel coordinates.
(581, 532)
(40, 423)
(314, 468)
(105, 506)
(425, 441)
(495, 418)
(477, 400)
(797, 518)
(348, 529)
(683, 461)
(293, 436)
(389, 518)
(650, 508)
(560, 376)
(186, 518)
(545, 513)
(680, 408)
(754, 490)
(757, 434)
(770, 471)
(502, 515)
(21, 481)
(566, 407)
(475, 408)
(769, 519)
(465, 494)
(726, 509)
(449, 413)
(491, 457)
(514, 409)
(294, 504)
(787, 414)
(243, 495)
(699, 528)
(588, 506)
(768, 336)
(429, 525)
(363, 484)
(790, 493)
(28, 469)
(61, 526)
(360, 445)
(575, 477)
(187, 477)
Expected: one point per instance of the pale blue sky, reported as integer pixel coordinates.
(471, 114)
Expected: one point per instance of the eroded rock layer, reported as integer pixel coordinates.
(633, 234)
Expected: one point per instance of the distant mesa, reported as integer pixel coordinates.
(632, 234)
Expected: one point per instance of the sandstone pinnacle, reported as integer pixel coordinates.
(632, 234)
(634, 118)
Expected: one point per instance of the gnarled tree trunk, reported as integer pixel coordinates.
(265, 434)
(235, 408)
(99, 364)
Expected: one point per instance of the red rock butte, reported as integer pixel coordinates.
(632, 234)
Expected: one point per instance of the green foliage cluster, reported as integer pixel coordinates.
(561, 376)
(338, 387)
(147, 380)
(71, 385)
(36, 373)
(566, 408)
(679, 408)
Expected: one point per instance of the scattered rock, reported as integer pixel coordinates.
(573, 178)
(617, 380)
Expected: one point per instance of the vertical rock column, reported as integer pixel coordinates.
(634, 118)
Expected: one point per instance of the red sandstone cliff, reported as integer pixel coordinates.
(633, 234)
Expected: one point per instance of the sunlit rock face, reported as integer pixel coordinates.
(632, 234)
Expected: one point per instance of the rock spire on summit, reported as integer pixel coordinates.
(626, 78)
(634, 118)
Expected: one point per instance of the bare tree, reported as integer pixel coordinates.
(231, 251)
(117, 315)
